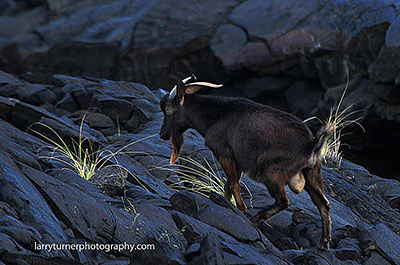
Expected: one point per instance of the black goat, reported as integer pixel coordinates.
(271, 146)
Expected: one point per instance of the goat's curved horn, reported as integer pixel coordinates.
(172, 94)
(192, 77)
(193, 87)
(205, 84)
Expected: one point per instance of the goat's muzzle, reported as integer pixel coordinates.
(164, 136)
(164, 131)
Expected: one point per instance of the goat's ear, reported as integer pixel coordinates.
(194, 87)
(189, 79)
(180, 90)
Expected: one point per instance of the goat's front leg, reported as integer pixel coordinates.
(232, 185)
(228, 189)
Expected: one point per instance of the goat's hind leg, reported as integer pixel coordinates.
(314, 187)
(276, 187)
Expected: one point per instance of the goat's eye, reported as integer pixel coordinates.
(169, 111)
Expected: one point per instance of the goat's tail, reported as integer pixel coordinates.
(320, 139)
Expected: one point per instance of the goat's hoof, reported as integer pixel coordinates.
(243, 208)
(247, 215)
(256, 220)
(324, 244)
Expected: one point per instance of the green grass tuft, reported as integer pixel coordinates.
(198, 178)
(81, 157)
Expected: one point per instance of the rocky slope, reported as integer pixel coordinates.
(43, 203)
(270, 51)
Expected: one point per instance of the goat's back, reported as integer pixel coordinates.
(259, 136)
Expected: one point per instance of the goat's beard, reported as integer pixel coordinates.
(177, 143)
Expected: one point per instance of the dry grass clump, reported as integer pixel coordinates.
(198, 178)
(337, 120)
(81, 156)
